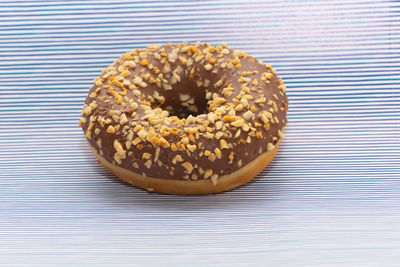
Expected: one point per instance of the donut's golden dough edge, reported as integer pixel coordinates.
(188, 187)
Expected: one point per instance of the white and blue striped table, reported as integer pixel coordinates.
(330, 198)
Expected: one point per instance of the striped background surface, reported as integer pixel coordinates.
(331, 197)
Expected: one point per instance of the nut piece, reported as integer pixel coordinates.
(223, 144)
(163, 143)
(188, 166)
(280, 134)
(142, 134)
(118, 147)
(218, 153)
(270, 146)
(191, 148)
(214, 179)
(146, 155)
(110, 129)
(238, 123)
(208, 67)
(248, 115)
(208, 173)
(148, 164)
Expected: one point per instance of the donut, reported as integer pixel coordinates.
(186, 118)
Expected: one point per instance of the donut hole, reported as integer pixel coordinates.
(186, 103)
(183, 112)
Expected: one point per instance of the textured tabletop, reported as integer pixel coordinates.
(331, 197)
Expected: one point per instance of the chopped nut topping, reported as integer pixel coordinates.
(184, 97)
(191, 148)
(239, 163)
(174, 147)
(117, 97)
(110, 129)
(229, 119)
(144, 62)
(136, 141)
(218, 153)
(198, 58)
(280, 134)
(218, 83)
(208, 173)
(163, 143)
(125, 73)
(223, 144)
(238, 123)
(177, 158)
(146, 155)
(142, 134)
(214, 179)
(248, 115)
(212, 157)
(218, 135)
(167, 87)
(148, 164)
(219, 100)
(98, 81)
(231, 155)
(118, 147)
(270, 146)
(239, 107)
(182, 60)
(123, 119)
(188, 166)
(82, 121)
(225, 51)
(208, 67)
(264, 117)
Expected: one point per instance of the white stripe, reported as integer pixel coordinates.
(93, 58)
(366, 4)
(376, 27)
(177, 9)
(356, 4)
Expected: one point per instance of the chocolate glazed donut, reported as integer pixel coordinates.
(185, 118)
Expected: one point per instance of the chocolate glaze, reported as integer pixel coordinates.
(191, 85)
